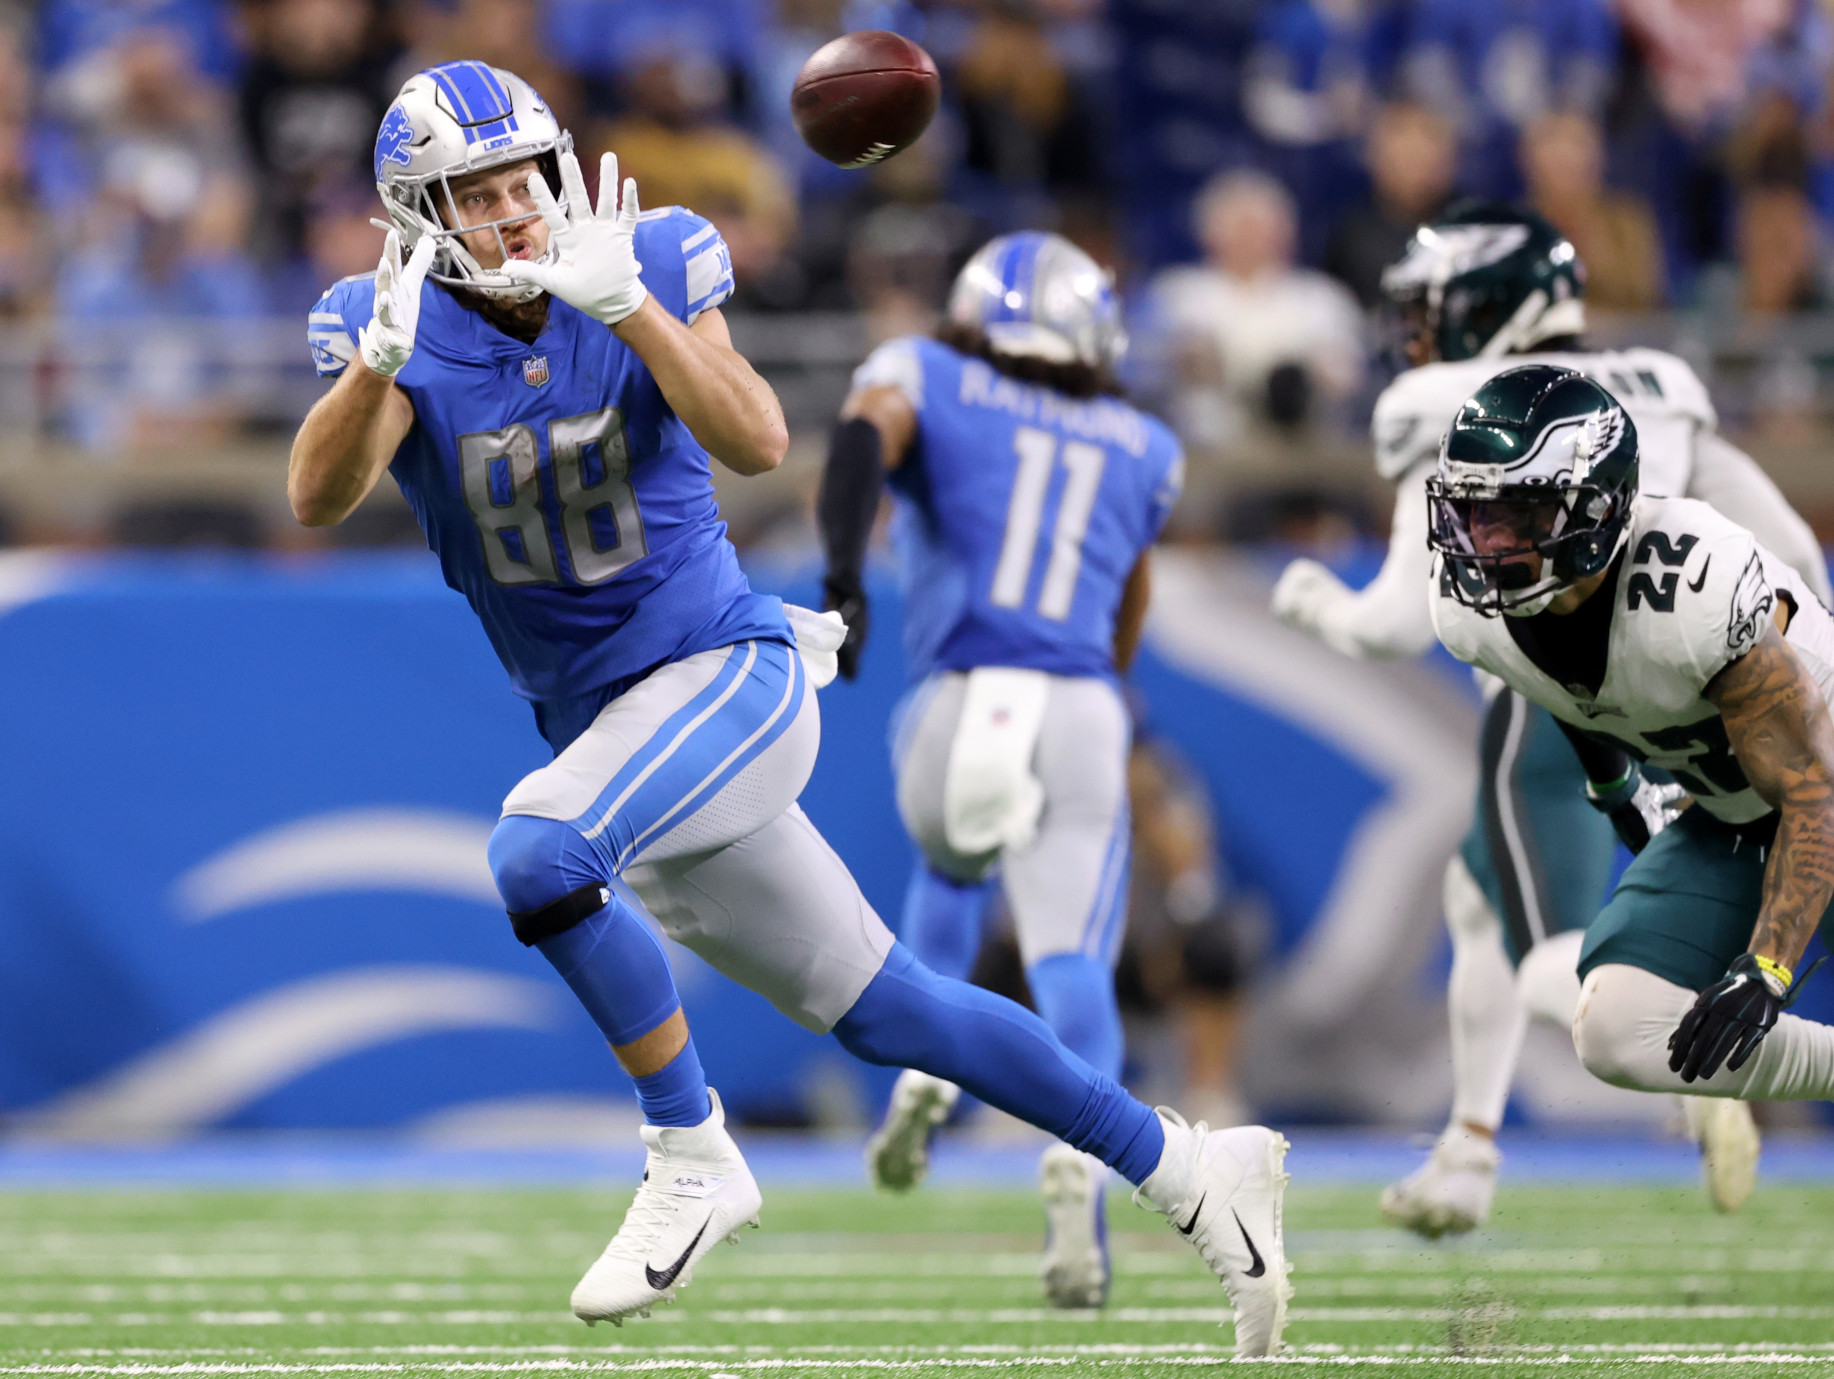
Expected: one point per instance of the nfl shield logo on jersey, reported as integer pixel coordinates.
(535, 371)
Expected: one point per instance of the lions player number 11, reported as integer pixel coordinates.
(1038, 458)
(517, 547)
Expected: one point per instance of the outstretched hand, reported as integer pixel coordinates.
(595, 258)
(386, 343)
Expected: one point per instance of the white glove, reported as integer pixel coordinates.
(1303, 593)
(387, 341)
(595, 267)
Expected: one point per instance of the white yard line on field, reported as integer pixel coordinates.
(783, 1316)
(1017, 1362)
(1112, 1349)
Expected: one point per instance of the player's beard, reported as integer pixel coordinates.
(522, 321)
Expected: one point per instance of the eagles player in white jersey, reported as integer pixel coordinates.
(1656, 631)
(1486, 287)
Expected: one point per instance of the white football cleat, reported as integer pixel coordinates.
(1729, 1148)
(696, 1192)
(1075, 1268)
(1451, 1192)
(1229, 1185)
(898, 1153)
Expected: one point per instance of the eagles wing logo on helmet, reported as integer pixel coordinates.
(393, 138)
(1603, 432)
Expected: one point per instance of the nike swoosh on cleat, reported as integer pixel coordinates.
(1191, 1225)
(1695, 584)
(660, 1280)
(1260, 1265)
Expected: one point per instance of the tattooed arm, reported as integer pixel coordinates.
(1780, 731)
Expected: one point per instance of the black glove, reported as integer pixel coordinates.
(1730, 1017)
(844, 594)
(1638, 808)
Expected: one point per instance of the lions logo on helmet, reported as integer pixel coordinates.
(1037, 295)
(450, 120)
(392, 139)
(1485, 281)
(1536, 480)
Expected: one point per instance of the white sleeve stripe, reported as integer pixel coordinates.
(325, 318)
(696, 238)
(709, 279)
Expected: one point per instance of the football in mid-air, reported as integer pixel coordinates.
(864, 97)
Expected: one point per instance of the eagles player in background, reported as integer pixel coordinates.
(1485, 287)
(549, 404)
(1656, 631)
(1026, 495)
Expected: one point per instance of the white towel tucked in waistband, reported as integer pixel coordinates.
(818, 637)
(991, 799)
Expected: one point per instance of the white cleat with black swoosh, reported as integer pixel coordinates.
(1225, 1190)
(696, 1192)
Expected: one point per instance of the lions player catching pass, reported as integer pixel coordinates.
(1657, 631)
(1487, 286)
(1026, 498)
(549, 403)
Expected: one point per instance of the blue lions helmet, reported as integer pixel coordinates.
(1038, 295)
(450, 120)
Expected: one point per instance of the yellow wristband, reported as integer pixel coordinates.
(1774, 969)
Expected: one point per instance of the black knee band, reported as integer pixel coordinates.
(558, 916)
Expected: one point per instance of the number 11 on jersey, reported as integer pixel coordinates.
(1038, 456)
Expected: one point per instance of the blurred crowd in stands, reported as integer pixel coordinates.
(179, 179)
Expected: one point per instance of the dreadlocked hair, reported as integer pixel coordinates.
(1073, 380)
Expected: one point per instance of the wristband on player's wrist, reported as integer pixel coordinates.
(1771, 968)
(1776, 974)
(1608, 797)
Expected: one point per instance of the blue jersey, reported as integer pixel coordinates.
(562, 495)
(1020, 513)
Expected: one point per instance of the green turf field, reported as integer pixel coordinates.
(474, 1282)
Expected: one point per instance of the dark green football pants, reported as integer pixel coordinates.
(1685, 908)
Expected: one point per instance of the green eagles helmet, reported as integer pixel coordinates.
(1536, 480)
(1485, 281)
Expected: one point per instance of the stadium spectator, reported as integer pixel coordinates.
(72, 33)
(141, 110)
(1563, 160)
(311, 98)
(1031, 151)
(1495, 68)
(1705, 57)
(603, 40)
(1413, 159)
(677, 143)
(338, 240)
(1255, 336)
(1308, 88)
(164, 242)
(143, 302)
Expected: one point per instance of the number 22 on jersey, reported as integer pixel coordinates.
(502, 478)
(1039, 457)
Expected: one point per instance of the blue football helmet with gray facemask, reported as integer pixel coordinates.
(448, 121)
(1038, 296)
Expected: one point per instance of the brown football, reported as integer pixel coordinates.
(865, 96)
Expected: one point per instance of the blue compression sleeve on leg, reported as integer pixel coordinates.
(611, 959)
(909, 1017)
(675, 1094)
(1075, 996)
(942, 920)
